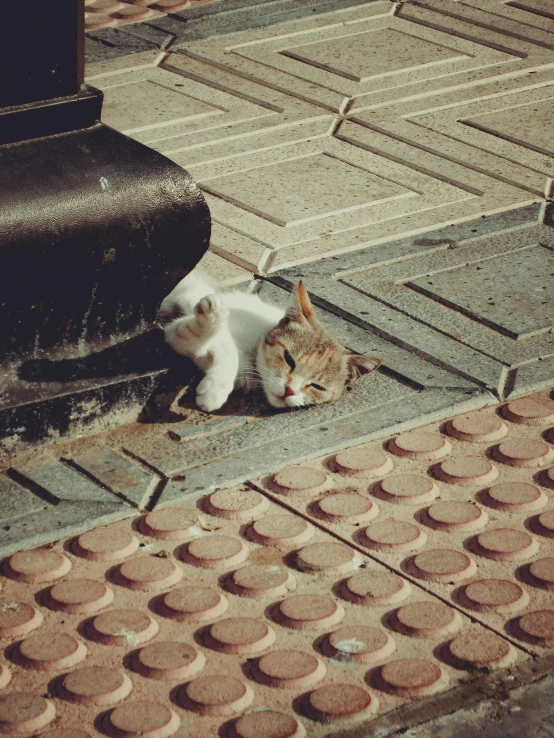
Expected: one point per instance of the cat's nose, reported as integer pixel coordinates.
(289, 392)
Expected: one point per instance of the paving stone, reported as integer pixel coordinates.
(62, 484)
(17, 501)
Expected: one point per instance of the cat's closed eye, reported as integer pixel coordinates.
(317, 387)
(290, 361)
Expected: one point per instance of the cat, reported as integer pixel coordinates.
(240, 341)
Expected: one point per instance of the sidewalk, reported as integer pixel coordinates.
(344, 562)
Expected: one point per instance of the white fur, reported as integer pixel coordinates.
(222, 333)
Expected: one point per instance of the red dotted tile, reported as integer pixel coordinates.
(216, 694)
(397, 535)
(300, 479)
(443, 565)
(236, 504)
(290, 669)
(65, 733)
(420, 445)
(148, 573)
(466, 471)
(346, 507)
(309, 612)
(24, 714)
(335, 701)
(192, 604)
(96, 21)
(171, 5)
(328, 557)
(169, 524)
(96, 685)
(52, 653)
(123, 627)
(477, 428)
(506, 544)
(131, 12)
(142, 718)
(18, 618)
(495, 595)
(102, 6)
(530, 411)
(215, 551)
(516, 496)
(359, 643)
(240, 635)
(523, 452)
(5, 676)
(169, 661)
(37, 566)
(407, 489)
(267, 724)
(259, 580)
(548, 474)
(375, 588)
(539, 625)
(480, 647)
(411, 677)
(362, 461)
(542, 572)
(281, 530)
(546, 523)
(451, 515)
(79, 596)
(105, 544)
(426, 620)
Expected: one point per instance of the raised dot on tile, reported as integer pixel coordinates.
(340, 701)
(480, 647)
(131, 12)
(452, 515)
(240, 635)
(39, 565)
(123, 627)
(52, 652)
(548, 474)
(96, 685)
(309, 612)
(539, 624)
(301, 479)
(466, 471)
(142, 718)
(5, 676)
(426, 620)
(362, 461)
(79, 596)
(105, 544)
(215, 551)
(267, 724)
(290, 669)
(542, 572)
(359, 643)
(407, 677)
(516, 496)
(408, 489)
(346, 507)
(477, 428)
(495, 595)
(546, 523)
(281, 530)
(236, 504)
(530, 411)
(420, 445)
(23, 713)
(261, 580)
(443, 565)
(18, 618)
(523, 452)
(193, 604)
(216, 694)
(148, 573)
(102, 6)
(169, 660)
(506, 544)
(397, 535)
(328, 557)
(169, 524)
(375, 588)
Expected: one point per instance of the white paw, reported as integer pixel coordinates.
(211, 309)
(211, 394)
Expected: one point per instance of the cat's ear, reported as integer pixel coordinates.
(360, 365)
(304, 302)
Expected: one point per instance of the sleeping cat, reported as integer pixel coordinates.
(240, 341)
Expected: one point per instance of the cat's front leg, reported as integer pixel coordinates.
(217, 385)
(193, 334)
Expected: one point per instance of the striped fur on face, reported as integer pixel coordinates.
(302, 364)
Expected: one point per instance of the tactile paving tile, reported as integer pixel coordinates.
(464, 508)
(227, 616)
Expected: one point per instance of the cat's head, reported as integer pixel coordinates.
(302, 364)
